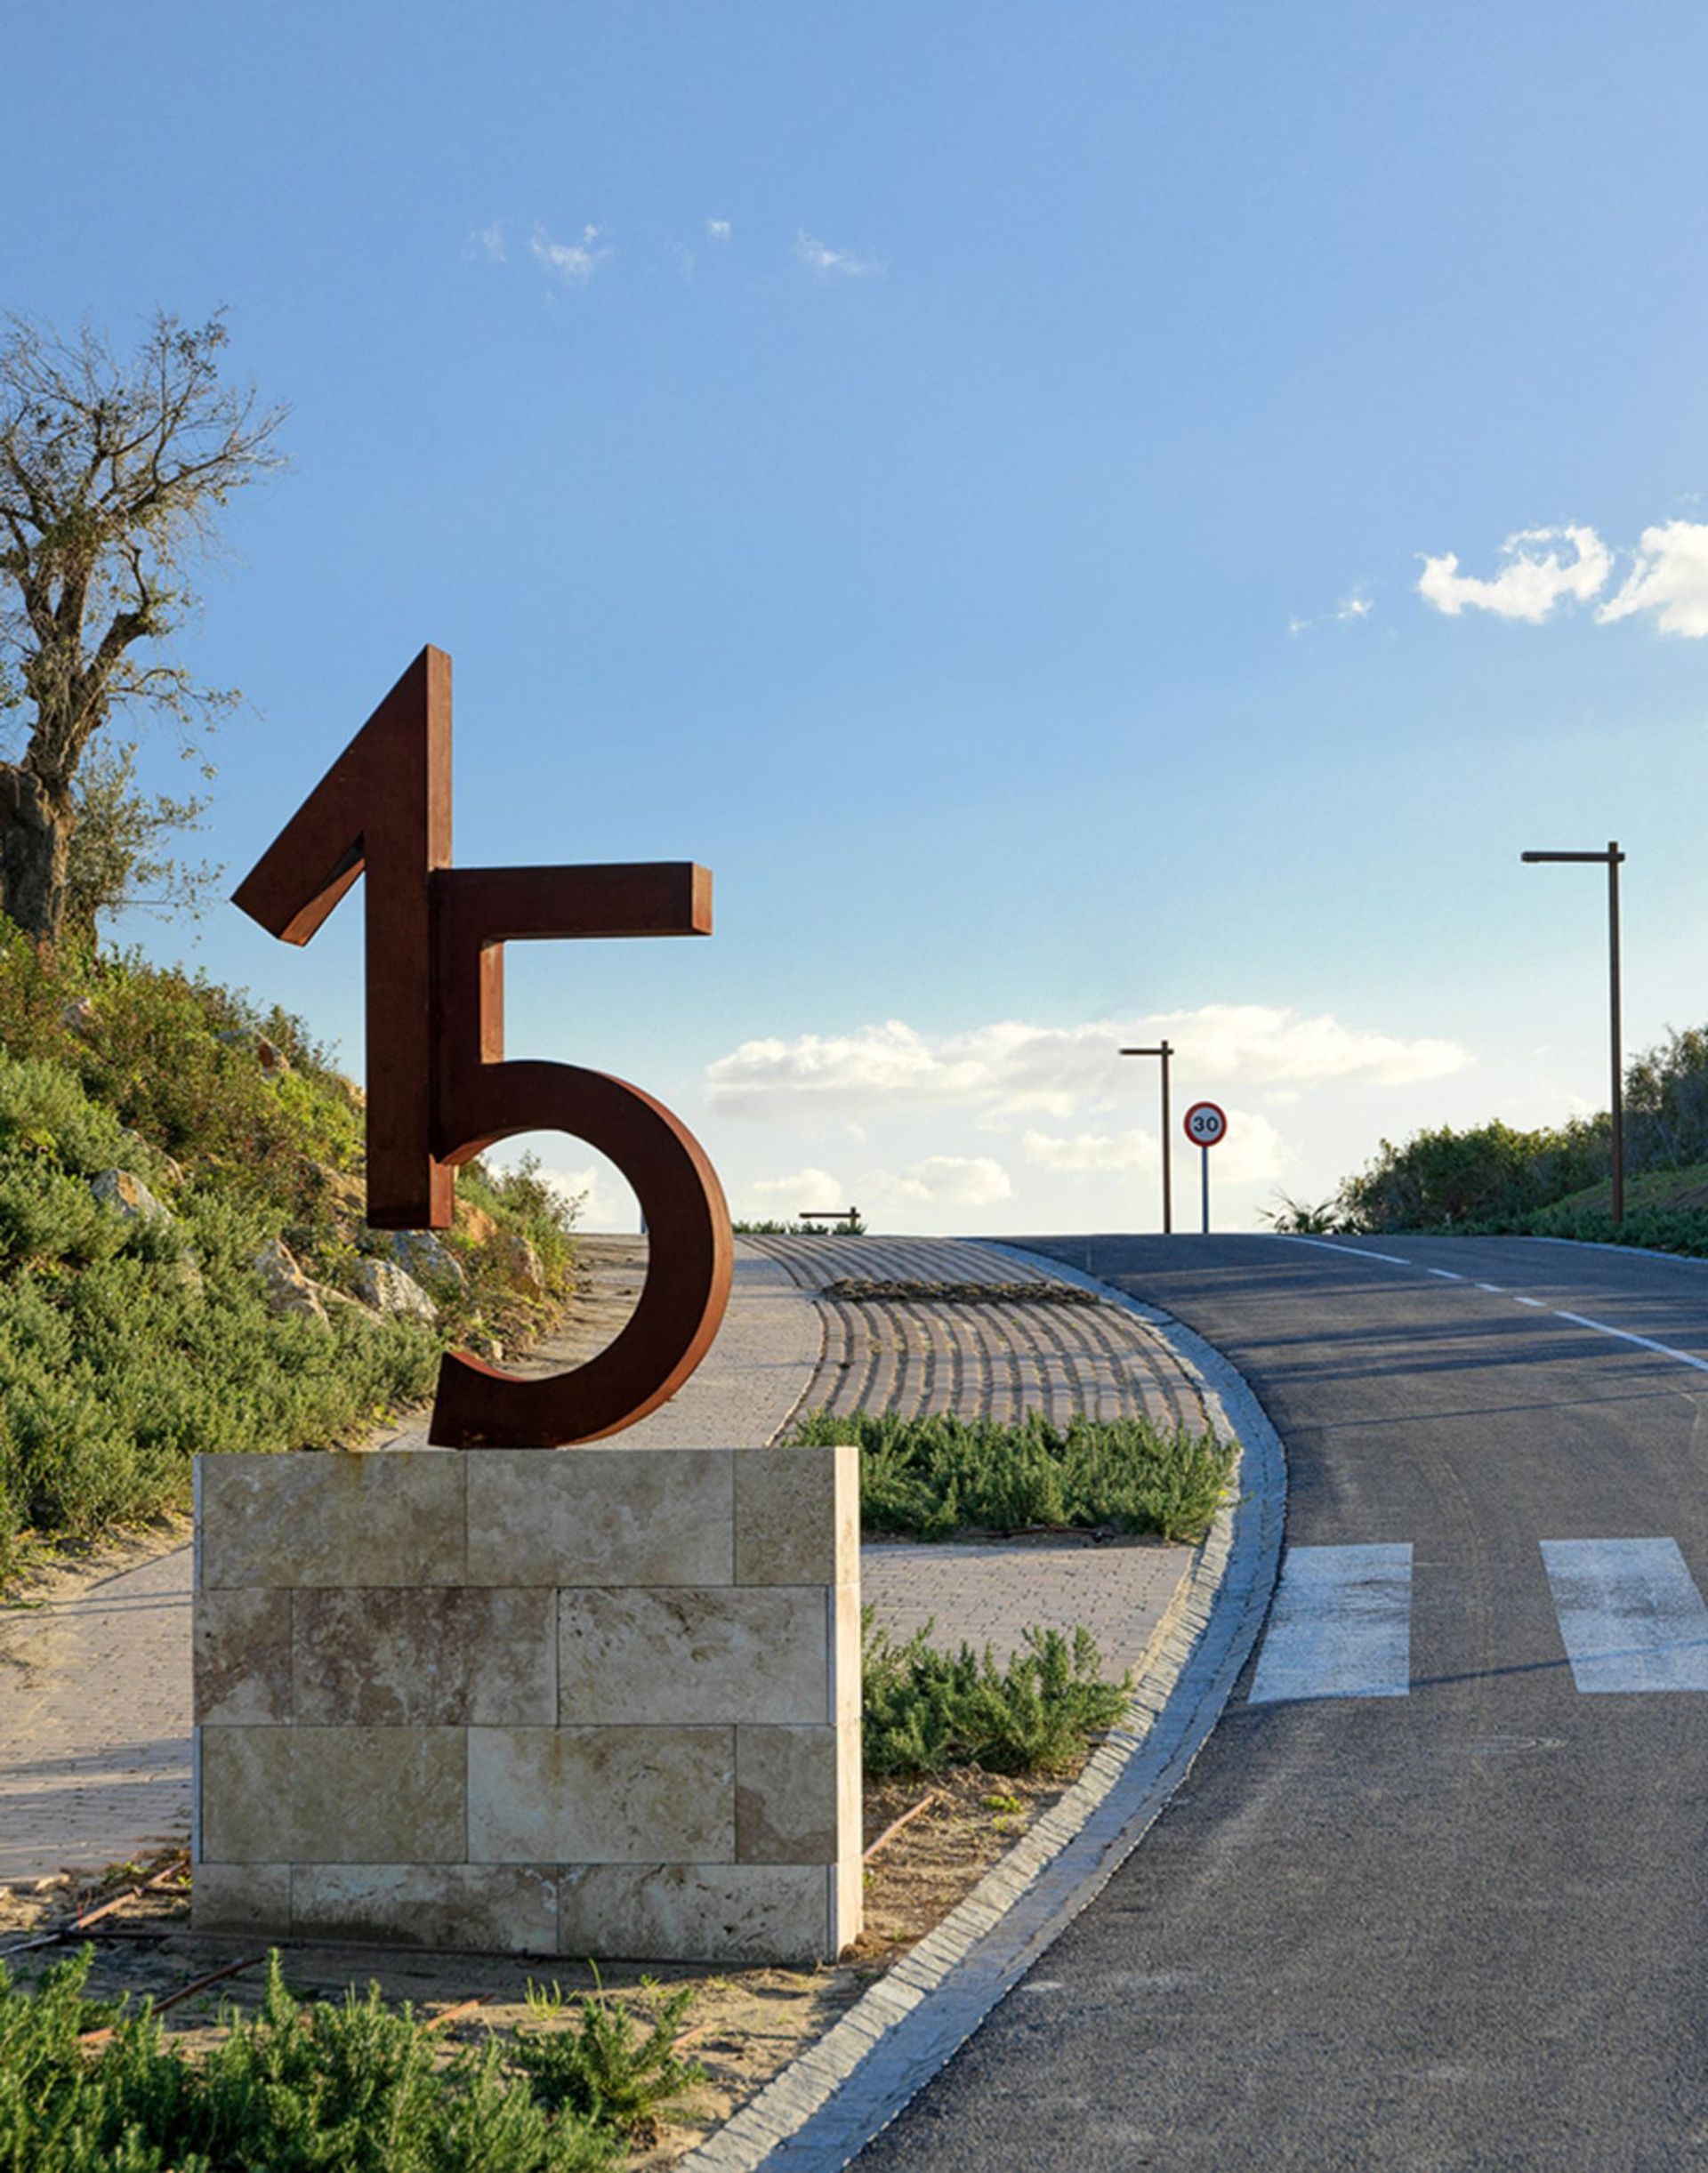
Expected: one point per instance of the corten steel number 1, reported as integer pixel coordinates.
(439, 1090)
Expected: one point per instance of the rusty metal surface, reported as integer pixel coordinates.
(439, 1088)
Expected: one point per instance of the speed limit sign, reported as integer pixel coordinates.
(1206, 1123)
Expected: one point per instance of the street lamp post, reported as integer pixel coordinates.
(1165, 1052)
(1611, 858)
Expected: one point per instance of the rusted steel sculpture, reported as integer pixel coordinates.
(439, 1087)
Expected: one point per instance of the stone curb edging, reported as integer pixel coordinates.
(828, 2104)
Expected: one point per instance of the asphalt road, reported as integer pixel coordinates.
(1458, 1918)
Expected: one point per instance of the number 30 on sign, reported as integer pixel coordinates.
(1206, 1123)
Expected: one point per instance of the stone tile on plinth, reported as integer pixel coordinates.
(693, 1656)
(787, 1797)
(391, 1517)
(316, 1795)
(797, 1516)
(440, 1656)
(241, 1646)
(507, 1908)
(599, 1517)
(605, 1795)
(732, 1912)
(241, 1897)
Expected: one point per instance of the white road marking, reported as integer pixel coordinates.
(1446, 1274)
(1358, 1252)
(1522, 1299)
(1340, 1626)
(1625, 1336)
(1630, 1613)
(1498, 1288)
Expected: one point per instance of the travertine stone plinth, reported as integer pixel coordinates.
(592, 1702)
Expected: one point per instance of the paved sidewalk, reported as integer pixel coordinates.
(94, 1684)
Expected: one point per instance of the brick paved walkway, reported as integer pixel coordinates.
(94, 1684)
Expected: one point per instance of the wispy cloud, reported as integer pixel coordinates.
(1669, 578)
(1012, 1068)
(574, 262)
(1531, 579)
(490, 243)
(1086, 1152)
(719, 229)
(828, 263)
(939, 1180)
(1353, 607)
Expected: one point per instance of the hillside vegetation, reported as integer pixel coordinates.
(1553, 1182)
(183, 1263)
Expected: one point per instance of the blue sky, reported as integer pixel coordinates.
(983, 480)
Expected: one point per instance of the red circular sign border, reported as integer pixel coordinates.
(1186, 1124)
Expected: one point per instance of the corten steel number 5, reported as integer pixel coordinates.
(439, 1090)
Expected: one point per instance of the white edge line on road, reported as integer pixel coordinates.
(1358, 1252)
(1625, 1336)
(828, 2104)
(1498, 1288)
(1519, 1299)
(1448, 1275)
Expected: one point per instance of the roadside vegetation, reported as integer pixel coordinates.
(360, 2087)
(184, 1261)
(937, 1477)
(1552, 1182)
(925, 1709)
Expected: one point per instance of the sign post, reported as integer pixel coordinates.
(1207, 1125)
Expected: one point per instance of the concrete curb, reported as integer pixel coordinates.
(826, 2105)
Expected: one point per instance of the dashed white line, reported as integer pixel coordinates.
(1630, 1613)
(1358, 1252)
(1519, 1299)
(1446, 1274)
(1625, 1336)
(1499, 1289)
(1340, 1627)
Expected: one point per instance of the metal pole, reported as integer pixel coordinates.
(1613, 857)
(1618, 1059)
(1204, 1153)
(1168, 1152)
(1165, 1052)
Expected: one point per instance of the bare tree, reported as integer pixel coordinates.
(111, 473)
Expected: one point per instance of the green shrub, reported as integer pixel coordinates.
(609, 2068)
(929, 1477)
(923, 1709)
(350, 2089)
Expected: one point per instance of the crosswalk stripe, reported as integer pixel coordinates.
(1630, 1613)
(1340, 1626)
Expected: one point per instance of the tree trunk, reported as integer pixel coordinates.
(35, 825)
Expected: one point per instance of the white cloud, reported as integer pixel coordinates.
(488, 243)
(1669, 578)
(1353, 607)
(1128, 1152)
(1251, 1152)
(574, 262)
(1012, 1068)
(945, 1181)
(1530, 582)
(834, 263)
(719, 229)
(789, 1196)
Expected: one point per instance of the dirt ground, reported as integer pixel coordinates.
(744, 2025)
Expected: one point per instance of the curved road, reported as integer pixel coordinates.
(1435, 1895)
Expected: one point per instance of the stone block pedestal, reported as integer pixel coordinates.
(595, 1701)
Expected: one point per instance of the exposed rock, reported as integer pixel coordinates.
(271, 1059)
(475, 1223)
(481, 1343)
(82, 1018)
(289, 1290)
(517, 1264)
(389, 1289)
(117, 1189)
(343, 1196)
(423, 1255)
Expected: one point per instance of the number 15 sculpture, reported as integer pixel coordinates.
(439, 1089)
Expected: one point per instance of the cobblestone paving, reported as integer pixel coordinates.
(94, 1680)
(993, 1361)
